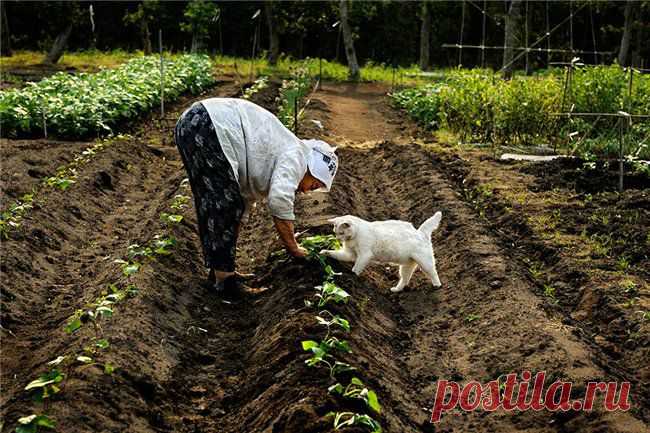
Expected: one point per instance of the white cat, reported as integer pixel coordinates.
(395, 242)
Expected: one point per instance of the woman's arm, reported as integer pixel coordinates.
(285, 230)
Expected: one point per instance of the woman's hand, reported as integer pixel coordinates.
(299, 252)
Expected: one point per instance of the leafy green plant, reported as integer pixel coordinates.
(549, 291)
(180, 202)
(170, 219)
(357, 390)
(291, 92)
(128, 268)
(33, 423)
(10, 219)
(334, 320)
(46, 384)
(348, 419)
(161, 244)
(259, 84)
(83, 104)
(330, 292)
(623, 264)
(472, 317)
(321, 355)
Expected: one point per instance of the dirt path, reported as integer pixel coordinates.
(189, 360)
(357, 112)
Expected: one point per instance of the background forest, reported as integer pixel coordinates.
(390, 32)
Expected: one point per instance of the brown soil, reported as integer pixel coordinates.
(189, 360)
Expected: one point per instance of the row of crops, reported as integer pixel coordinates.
(478, 105)
(345, 382)
(89, 326)
(74, 106)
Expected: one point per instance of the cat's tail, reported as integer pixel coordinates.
(431, 224)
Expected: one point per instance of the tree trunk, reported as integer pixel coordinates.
(513, 20)
(425, 37)
(58, 46)
(146, 37)
(5, 41)
(627, 33)
(197, 42)
(351, 55)
(274, 39)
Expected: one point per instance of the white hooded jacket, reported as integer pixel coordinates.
(268, 160)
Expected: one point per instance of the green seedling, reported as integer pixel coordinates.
(472, 317)
(320, 355)
(334, 320)
(180, 202)
(170, 219)
(10, 219)
(549, 291)
(347, 419)
(357, 390)
(134, 251)
(128, 268)
(46, 384)
(102, 344)
(623, 264)
(326, 346)
(628, 286)
(62, 183)
(330, 292)
(258, 85)
(162, 244)
(109, 368)
(74, 323)
(33, 423)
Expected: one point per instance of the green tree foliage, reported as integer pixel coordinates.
(200, 16)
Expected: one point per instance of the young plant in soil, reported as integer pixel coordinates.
(46, 385)
(34, 423)
(259, 84)
(330, 292)
(10, 219)
(350, 419)
(357, 390)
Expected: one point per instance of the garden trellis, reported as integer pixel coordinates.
(524, 51)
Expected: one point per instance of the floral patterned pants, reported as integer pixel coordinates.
(217, 198)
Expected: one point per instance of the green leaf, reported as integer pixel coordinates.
(102, 344)
(73, 325)
(373, 402)
(54, 376)
(108, 368)
(104, 311)
(130, 268)
(337, 388)
(45, 421)
(309, 345)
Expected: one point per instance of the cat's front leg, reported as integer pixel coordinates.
(344, 255)
(361, 263)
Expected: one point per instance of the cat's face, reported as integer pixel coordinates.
(344, 230)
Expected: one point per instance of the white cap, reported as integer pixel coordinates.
(323, 162)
